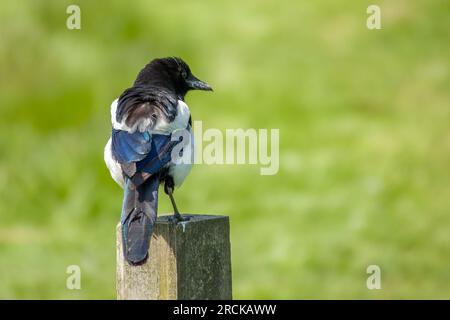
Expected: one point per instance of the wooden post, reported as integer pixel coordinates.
(188, 260)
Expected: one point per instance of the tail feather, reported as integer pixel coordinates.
(139, 213)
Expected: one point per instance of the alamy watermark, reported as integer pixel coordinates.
(73, 281)
(374, 280)
(73, 21)
(374, 20)
(234, 146)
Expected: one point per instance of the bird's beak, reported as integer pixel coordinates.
(197, 84)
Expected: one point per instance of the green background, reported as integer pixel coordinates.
(364, 141)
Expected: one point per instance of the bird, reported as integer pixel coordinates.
(145, 119)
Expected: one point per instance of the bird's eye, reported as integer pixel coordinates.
(184, 74)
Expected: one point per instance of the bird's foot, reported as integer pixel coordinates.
(177, 218)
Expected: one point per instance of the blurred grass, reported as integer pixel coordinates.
(365, 141)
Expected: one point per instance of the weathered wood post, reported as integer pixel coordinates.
(188, 260)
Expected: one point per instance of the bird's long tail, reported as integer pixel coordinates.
(139, 213)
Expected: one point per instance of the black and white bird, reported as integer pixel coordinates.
(138, 155)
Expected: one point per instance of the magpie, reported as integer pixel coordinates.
(138, 155)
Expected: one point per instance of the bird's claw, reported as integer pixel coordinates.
(177, 218)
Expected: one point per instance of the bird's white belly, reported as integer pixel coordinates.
(179, 172)
(113, 166)
(180, 122)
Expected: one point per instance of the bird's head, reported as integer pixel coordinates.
(172, 74)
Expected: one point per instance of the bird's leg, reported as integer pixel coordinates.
(176, 213)
(168, 188)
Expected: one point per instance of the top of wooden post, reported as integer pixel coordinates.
(187, 260)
